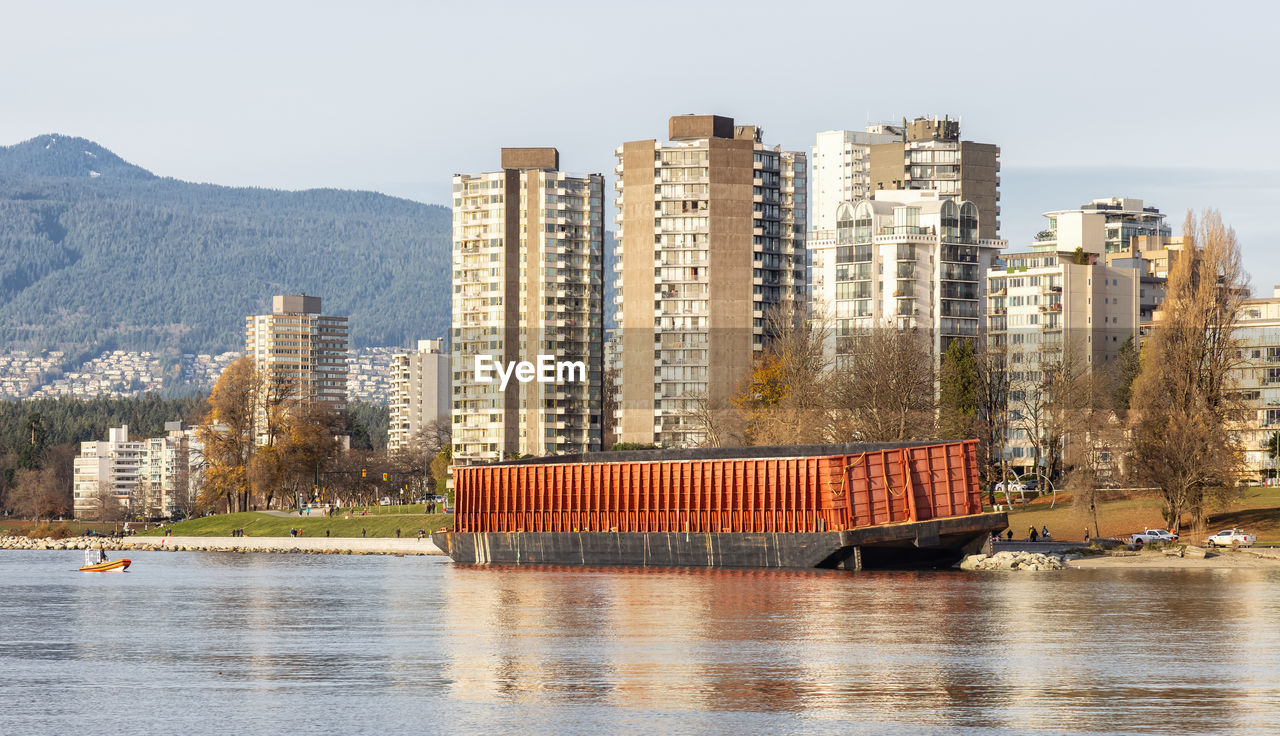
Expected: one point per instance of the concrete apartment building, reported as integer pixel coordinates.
(149, 478)
(930, 155)
(528, 280)
(1066, 299)
(711, 235)
(908, 259)
(300, 352)
(420, 391)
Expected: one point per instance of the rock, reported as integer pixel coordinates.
(1194, 551)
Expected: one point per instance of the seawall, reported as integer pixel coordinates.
(295, 545)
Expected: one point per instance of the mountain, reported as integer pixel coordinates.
(98, 253)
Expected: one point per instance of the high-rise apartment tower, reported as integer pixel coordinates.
(711, 235)
(420, 388)
(300, 353)
(528, 278)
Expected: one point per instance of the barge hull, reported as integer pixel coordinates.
(939, 541)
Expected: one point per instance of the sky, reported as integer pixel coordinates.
(1169, 102)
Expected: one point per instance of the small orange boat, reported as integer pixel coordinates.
(108, 566)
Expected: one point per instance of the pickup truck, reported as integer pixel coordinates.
(1151, 536)
(1231, 538)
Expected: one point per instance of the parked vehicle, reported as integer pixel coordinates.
(1151, 536)
(1231, 538)
(1012, 486)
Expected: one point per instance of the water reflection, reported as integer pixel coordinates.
(1096, 651)
(386, 643)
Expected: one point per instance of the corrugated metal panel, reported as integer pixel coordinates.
(775, 494)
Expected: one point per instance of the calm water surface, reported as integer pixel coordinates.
(228, 643)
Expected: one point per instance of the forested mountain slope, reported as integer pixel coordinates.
(98, 253)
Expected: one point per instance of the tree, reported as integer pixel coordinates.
(45, 492)
(958, 385)
(1181, 408)
(993, 412)
(608, 407)
(107, 506)
(33, 431)
(716, 423)
(227, 434)
(885, 393)
(1126, 372)
(1273, 450)
(440, 468)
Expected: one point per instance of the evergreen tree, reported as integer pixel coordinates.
(958, 392)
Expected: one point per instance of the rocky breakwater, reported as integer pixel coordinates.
(1014, 561)
(107, 543)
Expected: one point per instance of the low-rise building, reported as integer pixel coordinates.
(151, 478)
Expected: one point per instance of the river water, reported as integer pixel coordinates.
(228, 643)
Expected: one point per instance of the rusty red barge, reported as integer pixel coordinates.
(839, 506)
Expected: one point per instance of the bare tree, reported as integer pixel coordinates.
(784, 398)
(108, 505)
(608, 406)
(45, 492)
(885, 392)
(1052, 394)
(1181, 407)
(993, 410)
(715, 423)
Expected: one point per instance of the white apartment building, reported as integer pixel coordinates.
(420, 390)
(528, 254)
(150, 478)
(109, 467)
(1064, 301)
(908, 259)
(1110, 223)
(841, 170)
(711, 233)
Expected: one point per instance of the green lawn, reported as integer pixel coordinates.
(257, 524)
(1258, 512)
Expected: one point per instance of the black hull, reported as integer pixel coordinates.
(930, 543)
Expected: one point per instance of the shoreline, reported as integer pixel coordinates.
(1217, 560)
(277, 545)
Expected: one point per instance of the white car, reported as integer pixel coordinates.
(1151, 536)
(1231, 538)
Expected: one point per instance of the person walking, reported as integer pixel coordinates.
(1031, 535)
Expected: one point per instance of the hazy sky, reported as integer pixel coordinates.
(1172, 102)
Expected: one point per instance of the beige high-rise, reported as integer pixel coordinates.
(299, 352)
(528, 260)
(711, 238)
